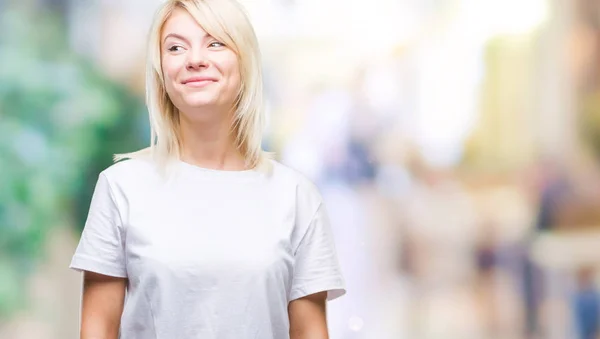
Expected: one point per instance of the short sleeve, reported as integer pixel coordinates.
(316, 267)
(101, 246)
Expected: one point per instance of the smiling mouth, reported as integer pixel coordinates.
(198, 83)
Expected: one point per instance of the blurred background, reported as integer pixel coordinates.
(456, 143)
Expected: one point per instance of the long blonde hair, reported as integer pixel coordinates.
(226, 21)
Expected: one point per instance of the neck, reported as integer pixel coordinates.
(210, 145)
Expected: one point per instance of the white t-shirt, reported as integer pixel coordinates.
(208, 253)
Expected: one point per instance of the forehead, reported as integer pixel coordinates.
(182, 23)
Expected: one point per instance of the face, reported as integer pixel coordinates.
(199, 71)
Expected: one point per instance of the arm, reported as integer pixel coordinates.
(102, 306)
(308, 317)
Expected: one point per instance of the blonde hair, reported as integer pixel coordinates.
(227, 22)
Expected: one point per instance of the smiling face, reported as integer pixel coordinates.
(200, 73)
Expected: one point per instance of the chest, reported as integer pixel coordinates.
(225, 233)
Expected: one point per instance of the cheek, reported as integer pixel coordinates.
(234, 74)
(170, 68)
(230, 67)
(169, 75)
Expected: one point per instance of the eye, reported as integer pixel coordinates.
(175, 48)
(216, 44)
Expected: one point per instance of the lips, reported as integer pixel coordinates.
(198, 80)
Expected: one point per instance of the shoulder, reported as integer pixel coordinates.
(130, 170)
(287, 173)
(306, 191)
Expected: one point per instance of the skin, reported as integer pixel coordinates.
(206, 107)
(102, 306)
(308, 317)
(205, 104)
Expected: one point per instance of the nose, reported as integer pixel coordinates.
(196, 60)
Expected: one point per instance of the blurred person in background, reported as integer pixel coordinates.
(586, 305)
(202, 235)
(486, 257)
(553, 186)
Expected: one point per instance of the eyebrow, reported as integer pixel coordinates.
(174, 35)
(181, 37)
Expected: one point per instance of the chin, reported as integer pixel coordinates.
(200, 103)
(199, 100)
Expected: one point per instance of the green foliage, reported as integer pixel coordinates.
(60, 122)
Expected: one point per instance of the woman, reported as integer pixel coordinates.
(207, 235)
